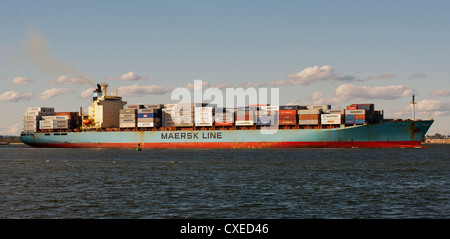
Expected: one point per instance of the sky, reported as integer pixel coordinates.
(52, 53)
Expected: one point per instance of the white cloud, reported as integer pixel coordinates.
(14, 129)
(20, 80)
(383, 76)
(350, 91)
(418, 76)
(442, 93)
(64, 80)
(347, 92)
(130, 76)
(47, 94)
(316, 73)
(425, 108)
(250, 84)
(278, 83)
(223, 85)
(87, 93)
(191, 86)
(14, 96)
(139, 90)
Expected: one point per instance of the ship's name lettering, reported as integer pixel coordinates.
(203, 135)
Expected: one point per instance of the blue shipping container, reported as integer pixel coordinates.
(149, 115)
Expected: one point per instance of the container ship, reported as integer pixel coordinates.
(111, 123)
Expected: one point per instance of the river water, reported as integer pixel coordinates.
(224, 183)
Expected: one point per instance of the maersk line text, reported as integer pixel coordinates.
(203, 135)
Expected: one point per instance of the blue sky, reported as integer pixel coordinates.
(332, 52)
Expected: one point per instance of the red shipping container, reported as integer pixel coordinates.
(223, 124)
(287, 122)
(308, 117)
(360, 116)
(287, 112)
(352, 107)
(287, 117)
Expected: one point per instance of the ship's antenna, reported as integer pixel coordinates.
(413, 102)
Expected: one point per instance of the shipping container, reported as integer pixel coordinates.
(133, 107)
(216, 123)
(287, 122)
(153, 106)
(310, 112)
(40, 109)
(289, 107)
(127, 111)
(204, 123)
(150, 110)
(309, 116)
(148, 115)
(336, 111)
(155, 120)
(244, 122)
(309, 122)
(360, 121)
(355, 112)
(368, 107)
(127, 116)
(319, 107)
(148, 124)
(127, 125)
(287, 117)
(287, 112)
(127, 120)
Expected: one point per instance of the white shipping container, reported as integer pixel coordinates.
(32, 117)
(319, 107)
(355, 112)
(208, 109)
(337, 111)
(40, 109)
(46, 122)
(46, 126)
(244, 122)
(331, 116)
(127, 125)
(203, 124)
(269, 108)
(224, 119)
(310, 112)
(308, 122)
(146, 124)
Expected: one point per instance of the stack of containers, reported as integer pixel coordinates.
(168, 114)
(355, 116)
(179, 115)
(204, 116)
(244, 116)
(149, 117)
(61, 120)
(287, 115)
(360, 114)
(32, 117)
(266, 115)
(323, 108)
(127, 116)
(333, 117)
(224, 117)
(309, 116)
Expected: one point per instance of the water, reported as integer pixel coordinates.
(229, 183)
